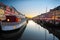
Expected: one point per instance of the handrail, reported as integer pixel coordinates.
(9, 23)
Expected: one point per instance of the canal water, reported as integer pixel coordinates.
(34, 31)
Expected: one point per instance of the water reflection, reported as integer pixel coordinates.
(51, 29)
(12, 35)
(34, 31)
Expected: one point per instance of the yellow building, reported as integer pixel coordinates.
(2, 16)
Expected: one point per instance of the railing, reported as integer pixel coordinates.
(9, 23)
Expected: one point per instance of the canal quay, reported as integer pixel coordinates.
(50, 21)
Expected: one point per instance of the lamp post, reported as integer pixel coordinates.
(54, 22)
(54, 17)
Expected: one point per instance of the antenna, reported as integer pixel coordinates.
(46, 8)
(45, 29)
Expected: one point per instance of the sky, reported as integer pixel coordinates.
(32, 7)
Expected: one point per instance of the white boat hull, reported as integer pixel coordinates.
(12, 27)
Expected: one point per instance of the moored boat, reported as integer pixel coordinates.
(10, 18)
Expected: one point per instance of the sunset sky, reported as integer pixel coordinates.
(32, 8)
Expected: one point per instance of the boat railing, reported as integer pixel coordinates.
(9, 23)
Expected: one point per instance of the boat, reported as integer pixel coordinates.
(10, 18)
